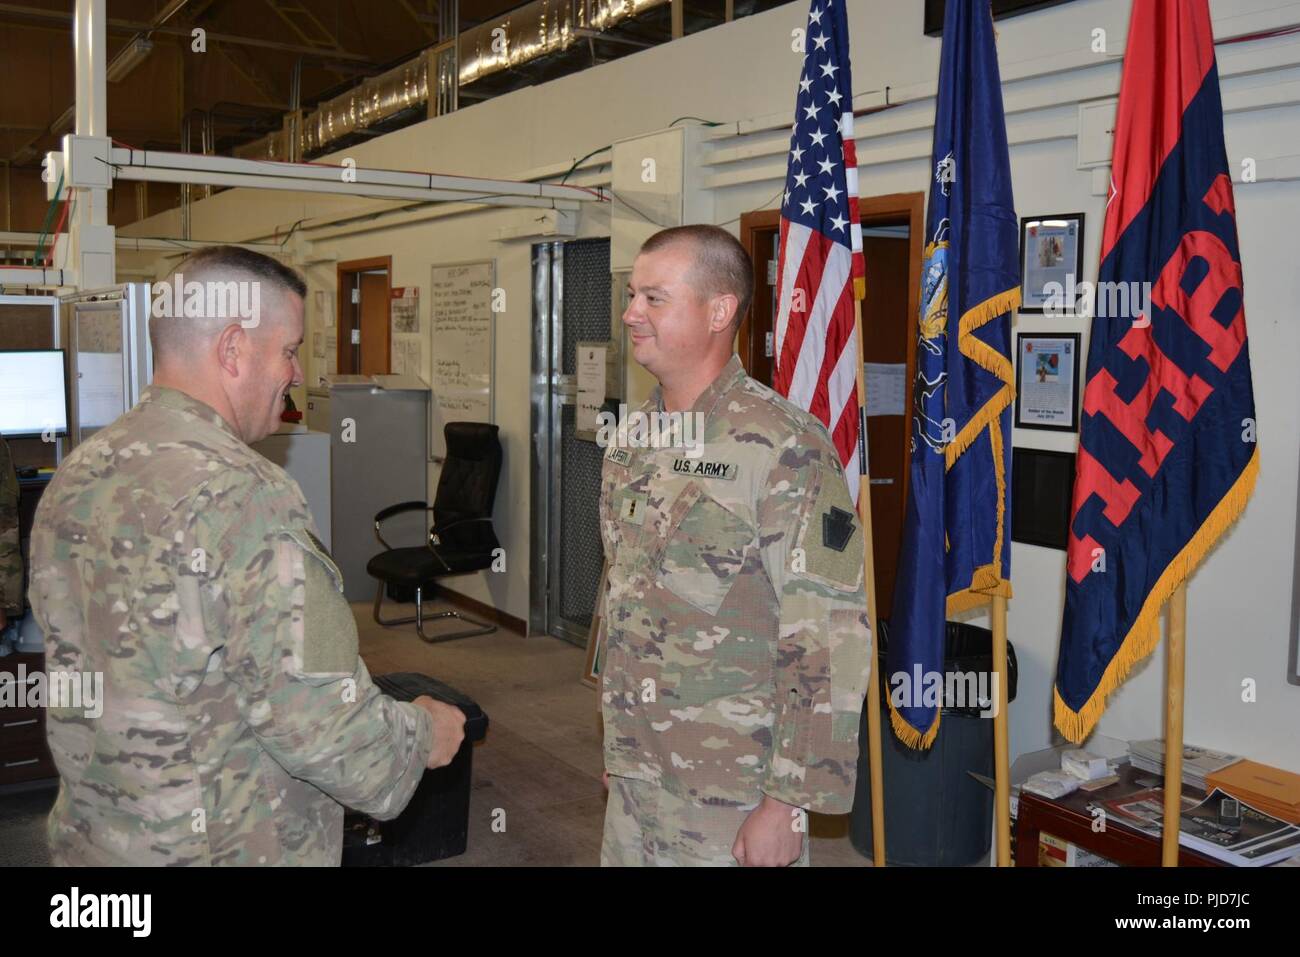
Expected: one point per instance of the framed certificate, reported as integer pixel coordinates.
(1051, 263)
(1047, 381)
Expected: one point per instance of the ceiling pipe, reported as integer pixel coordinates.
(89, 42)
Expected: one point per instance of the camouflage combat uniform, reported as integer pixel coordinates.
(736, 652)
(238, 717)
(11, 556)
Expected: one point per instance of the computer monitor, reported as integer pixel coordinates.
(33, 393)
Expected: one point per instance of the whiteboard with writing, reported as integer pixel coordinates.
(462, 343)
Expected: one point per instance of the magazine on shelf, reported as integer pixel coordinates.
(1219, 826)
(1198, 762)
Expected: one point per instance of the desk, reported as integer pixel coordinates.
(1070, 820)
(24, 754)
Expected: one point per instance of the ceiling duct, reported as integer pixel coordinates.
(535, 30)
(538, 29)
(373, 101)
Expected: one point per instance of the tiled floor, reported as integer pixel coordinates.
(540, 764)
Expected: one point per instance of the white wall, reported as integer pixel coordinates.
(744, 74)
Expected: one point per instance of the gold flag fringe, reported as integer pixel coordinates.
(987, 580)
(987, 358)
(910, 736)
(1145, 633)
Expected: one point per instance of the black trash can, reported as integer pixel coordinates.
(435, 824)
(936, 814)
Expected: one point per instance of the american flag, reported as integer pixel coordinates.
(820, 269)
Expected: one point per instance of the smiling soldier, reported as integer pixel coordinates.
(183, 566)
(736, 643)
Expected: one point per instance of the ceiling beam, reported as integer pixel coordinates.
(16, 12)
(258, 78)
(422, 20)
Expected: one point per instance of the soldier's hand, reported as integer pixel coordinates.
(769, 837)
(448, 730)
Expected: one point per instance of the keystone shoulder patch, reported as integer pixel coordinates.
(837, 528)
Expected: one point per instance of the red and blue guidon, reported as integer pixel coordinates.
(1167, 446)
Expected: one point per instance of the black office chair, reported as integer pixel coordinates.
(461, 539)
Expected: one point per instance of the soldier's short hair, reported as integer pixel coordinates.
(221, 268)
(721, 264)
(238, 259)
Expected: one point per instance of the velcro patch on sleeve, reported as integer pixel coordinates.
(329, 638)
(832, 537)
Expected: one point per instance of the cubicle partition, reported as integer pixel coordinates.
(379, 456)
(110, 360)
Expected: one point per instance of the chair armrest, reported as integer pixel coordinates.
(384, 514)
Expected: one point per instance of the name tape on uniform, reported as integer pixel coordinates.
(727, 471)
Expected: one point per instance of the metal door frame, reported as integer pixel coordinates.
(551, 391)
(548, 294)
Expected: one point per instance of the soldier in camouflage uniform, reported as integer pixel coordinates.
(736, 643)
(11, 556)
(183, 566)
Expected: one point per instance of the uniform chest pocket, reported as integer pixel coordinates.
(704, 550)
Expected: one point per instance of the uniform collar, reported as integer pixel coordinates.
(732, 373)
(188, 406)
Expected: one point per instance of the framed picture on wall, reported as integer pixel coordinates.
(1047, 381)
(1051, 263)
(1042, 491)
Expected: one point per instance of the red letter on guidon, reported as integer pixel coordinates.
(1223, 276)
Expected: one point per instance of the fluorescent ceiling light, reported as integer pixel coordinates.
(128, 59)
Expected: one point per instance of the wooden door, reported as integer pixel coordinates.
(363, 299)
(759, 234)
(885, 327)
(376, 345)
(893, 243)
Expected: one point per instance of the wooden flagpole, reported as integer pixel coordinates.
(1001, 745)
(1174, 665)
(869, 577)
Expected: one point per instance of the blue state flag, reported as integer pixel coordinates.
(956, 550)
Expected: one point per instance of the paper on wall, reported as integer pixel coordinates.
(406, 310)
(591, 387)
(406, 355)
(886, 385)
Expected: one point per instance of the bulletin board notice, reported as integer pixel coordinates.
(462, 334)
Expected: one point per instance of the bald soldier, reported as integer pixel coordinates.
(736, 654)
(238, 719)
